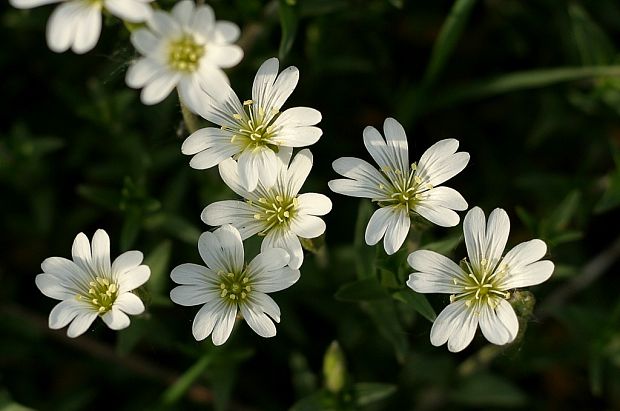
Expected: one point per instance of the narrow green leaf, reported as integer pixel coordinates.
(445, 246)
(367, 289)
(131, 229)
(449, 35)
(368, 392)
(104, 197)
(383, 313)
(611, 196)
(319, 401)
(418, 302)
(288, 24)
(486, 390)
(592, 43)
(521, 80)
(180, 387)
(565, 211)
(158, 261)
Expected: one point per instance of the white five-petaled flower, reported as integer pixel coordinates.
(91, 287)
(253, 131)
(76, 24)
(278, 212)
(480, 287)
(227, 286)
(401, 188)
(187, 49)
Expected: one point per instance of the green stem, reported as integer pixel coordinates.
(185, 382)
(190, 120)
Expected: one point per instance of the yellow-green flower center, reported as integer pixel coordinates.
(405, 188)
(101, 294)
(235, 287)
(275, 211)
(254, 127)
(479, 286)
(185, 53)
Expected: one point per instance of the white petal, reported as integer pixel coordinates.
(397, 231)
(314, 204)
(367, 180)
(283, 87)
(443, 217)
(28, 4)
(307, 226)
(127, 261)
(164, 25)
(116, 319)
(226, 32)
(396, 139)
(387, 157)
(525, 253)
(183, 11)
(204, 139)
(222, 250)
(263, 81)
(80, 252)
(159, 87)
(266, 304)
(191, 274)
(293, 127)
(531, 274)
(378, 224)
(80, 324)
(132, 279)
(492, 327)
(206, 318)
(65, 311)
(52, 287)
(88, 30)
(224, 56)
(269, 260)
(298, 172)
(141, 72)
(224, 325)
(258, 321)
(64, 270)
(441, 162)
(278, 238)
(267, 165)
(229, 171)
(188, 295)
(486, 241)
(436, 273)
(451, 317)
(145, 41)
(506, 314)
(212, 156)
(237, 213)
(248, 170)
(129, 303)
(62, 25)
(464, 332)
(274, 280)
(100, 249)
(203, 20)
(129, 10)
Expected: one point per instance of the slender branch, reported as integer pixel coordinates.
(197, 393)
(591, 272)
(190, 120)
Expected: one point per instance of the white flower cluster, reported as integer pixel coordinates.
(252, 145)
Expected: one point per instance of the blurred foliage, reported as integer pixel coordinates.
(530, 89)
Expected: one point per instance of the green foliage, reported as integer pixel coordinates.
(530, 89)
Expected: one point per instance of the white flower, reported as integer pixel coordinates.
(253, 131)
(278, 212)
(90, 287)
(400, 188)
(227, 285)
(480, 287)
(187, 49)
(76, 24)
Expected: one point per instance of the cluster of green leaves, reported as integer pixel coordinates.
(530, 89)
